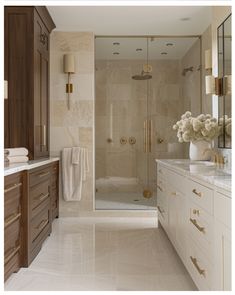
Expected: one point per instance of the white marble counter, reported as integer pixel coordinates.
(17, 167)
(201, 170)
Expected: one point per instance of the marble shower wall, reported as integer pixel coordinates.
(73, 127)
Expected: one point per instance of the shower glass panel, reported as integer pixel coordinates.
(139, 96)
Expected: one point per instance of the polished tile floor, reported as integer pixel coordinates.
(122, 254)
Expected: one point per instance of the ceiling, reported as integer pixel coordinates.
(137, 48)
(132, 20)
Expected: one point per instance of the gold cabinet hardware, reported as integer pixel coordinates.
(13, 251)
(132, 140)
(44, 135)
(199, 194)
(42, 224)
(109, 140)
(42, 197)
(13, 217)
(160, 210)
(160, 140)
(123, 140)
(160, 188)
(12, 187)
(194, 261)
(44, 174)
(200, 228)
(196, 212)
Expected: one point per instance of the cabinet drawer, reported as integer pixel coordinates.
(39, 175)
(39, 223)
(201, 195)
(12, 207)
(11, 236)
(200, 226)
(13, 264)
(38, 194)
(199, 266)
(222, 209)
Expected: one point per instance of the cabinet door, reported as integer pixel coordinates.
(222, 258)
(41, 88)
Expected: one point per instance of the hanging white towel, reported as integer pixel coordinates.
(12, 152)
(74, 170)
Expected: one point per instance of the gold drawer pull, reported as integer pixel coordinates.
(194, 261)
(12, 254)
(13, 217)
(199, 194)
(159, 209)
(42, 224)
(12, 187)
(42, 197)
(159, 187)
(194, 222)
(44, 174)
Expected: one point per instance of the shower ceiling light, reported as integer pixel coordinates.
(163, 53)
(169, 44)
(116, 53)
(139, 49)
(116, 43)
(184, 19)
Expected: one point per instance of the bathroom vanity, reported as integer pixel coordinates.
(194, 206)
(31, 202)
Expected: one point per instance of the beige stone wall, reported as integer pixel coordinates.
(73, 127)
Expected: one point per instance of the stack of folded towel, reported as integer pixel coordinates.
(15, 155)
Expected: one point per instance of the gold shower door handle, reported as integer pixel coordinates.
(147, 136)
(44, 135)
(150, 136)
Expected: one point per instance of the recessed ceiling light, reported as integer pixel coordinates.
(116, 43)
(184, 19)
(169, 44)
(116, 53)
(163, 53)
(139, 49)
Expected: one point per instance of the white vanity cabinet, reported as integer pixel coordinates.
(197, 219)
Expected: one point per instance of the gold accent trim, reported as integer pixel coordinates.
(147, 194)
(199, 194)
(200, 271)
(123, 140)
(12, 187)
(13, 217)
(69, 88)
(43, 174)
(42, 224)
(132, 140)
(200, 228)
(42, 197)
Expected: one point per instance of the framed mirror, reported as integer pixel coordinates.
(224, 38)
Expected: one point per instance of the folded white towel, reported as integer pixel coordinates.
(75, 155)
(17, 159)
(16, 152)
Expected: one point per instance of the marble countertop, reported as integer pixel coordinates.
(17, 167)
(201, 170)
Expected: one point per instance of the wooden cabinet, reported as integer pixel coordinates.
(13, 231)
(26, 68)
(55, 190)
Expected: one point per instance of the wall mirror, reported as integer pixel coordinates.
(224, 38)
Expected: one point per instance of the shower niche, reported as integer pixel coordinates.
(140, 92)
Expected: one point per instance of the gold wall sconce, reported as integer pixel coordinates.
(69, 68)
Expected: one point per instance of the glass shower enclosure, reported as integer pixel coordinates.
(137, 100)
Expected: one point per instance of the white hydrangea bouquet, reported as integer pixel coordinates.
(202, 127)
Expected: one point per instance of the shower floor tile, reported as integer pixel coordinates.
(123, 201)
(98, 254)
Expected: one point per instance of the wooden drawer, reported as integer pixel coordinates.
(201, 195)
(200, 226)
(38, 194)
(199, 266)
(39, 175)
(13, 264)
(222, 209)
(12, 207)
(39, 224)
(12, 234)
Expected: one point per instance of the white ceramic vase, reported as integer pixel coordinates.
(197, 150)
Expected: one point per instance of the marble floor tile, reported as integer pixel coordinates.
(88, 254)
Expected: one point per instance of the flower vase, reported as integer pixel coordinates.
(197, 150)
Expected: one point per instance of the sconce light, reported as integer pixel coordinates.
(214, 85)
(5, 89)
(69, 68)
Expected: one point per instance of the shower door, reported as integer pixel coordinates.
(123, 135)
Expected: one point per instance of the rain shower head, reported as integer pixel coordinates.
(142, 76)
(190, 69)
